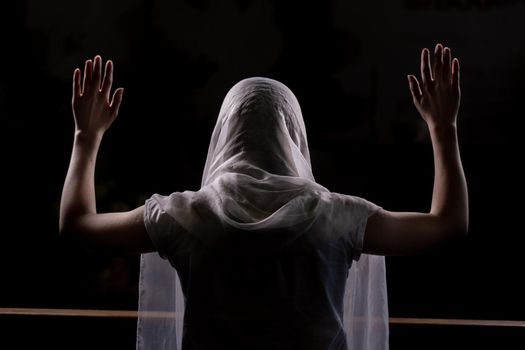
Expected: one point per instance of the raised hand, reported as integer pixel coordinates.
(93, 109)
(437, 97)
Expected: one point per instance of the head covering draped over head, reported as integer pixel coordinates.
(258, 194)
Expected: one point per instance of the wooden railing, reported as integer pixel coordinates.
(133, 314)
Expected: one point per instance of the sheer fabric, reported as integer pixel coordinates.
(258, 182)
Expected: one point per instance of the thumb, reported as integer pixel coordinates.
(415, 90)
(116, 100)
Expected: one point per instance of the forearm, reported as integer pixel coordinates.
(78, 194)
(449, 198)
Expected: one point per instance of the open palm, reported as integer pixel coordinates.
(93, 109)
(437, 97)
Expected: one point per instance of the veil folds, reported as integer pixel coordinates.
(257, 177)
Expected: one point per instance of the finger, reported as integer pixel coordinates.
(438, 61)
(455, 74)
(415, 90)
(88, 70)
(76, 84)
(447, 65)
(116, 101)
(97, 72)
(108, 79)
(426, 75)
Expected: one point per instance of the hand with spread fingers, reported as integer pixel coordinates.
(93, 109)
(438, 95)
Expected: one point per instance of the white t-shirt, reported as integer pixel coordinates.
(260, 289)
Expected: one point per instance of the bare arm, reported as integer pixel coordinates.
(437, 100)
(94, 112)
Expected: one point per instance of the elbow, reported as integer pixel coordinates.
(462, 225)
(464, 228)
(66, 224)
(457, 229)
(76, 230)
(460, 230)
(69, 228)
(454, 221)
(451, 227)
(65, 230)
(70, 233)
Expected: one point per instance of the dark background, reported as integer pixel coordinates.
(346, 61)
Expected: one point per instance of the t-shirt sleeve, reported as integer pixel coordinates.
(356, 210)
(167, 235)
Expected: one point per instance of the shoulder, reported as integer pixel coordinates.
(342, 214)
(351, 204)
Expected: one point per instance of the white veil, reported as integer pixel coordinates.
(257, 176)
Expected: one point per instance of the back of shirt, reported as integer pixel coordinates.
(249, 297)
(264, 289)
